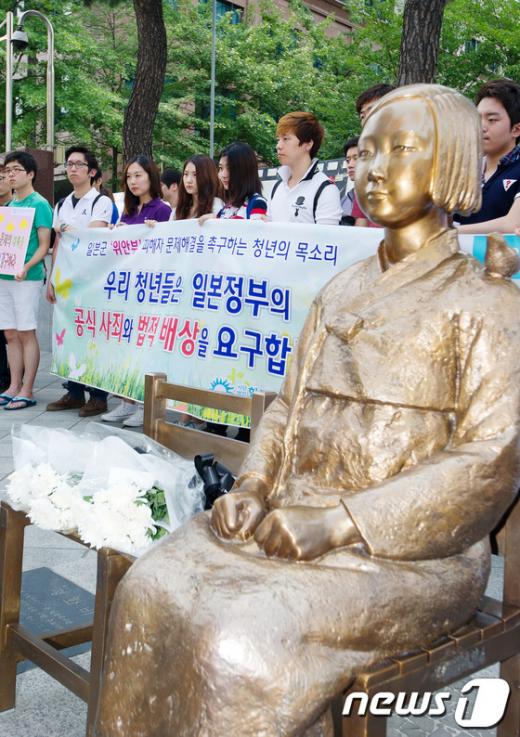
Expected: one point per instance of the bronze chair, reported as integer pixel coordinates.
(493, 636)
(16, 642)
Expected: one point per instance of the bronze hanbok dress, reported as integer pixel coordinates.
(402, 403)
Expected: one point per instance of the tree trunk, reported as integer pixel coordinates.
(115, 177)
(149, 79)
(420, 41)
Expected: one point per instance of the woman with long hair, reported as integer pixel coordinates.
(142, 188)
(198, 198)
(199, 189)
(238, 174)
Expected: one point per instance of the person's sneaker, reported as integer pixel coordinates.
(194, 424)
(119, 413)
(94, 406)
(136, 419)
(66, 402)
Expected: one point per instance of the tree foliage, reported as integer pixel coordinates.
(278, 63)
(263, 70)
(480, 41)
(95, 54)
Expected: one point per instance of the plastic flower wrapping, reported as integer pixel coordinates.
(113, 487)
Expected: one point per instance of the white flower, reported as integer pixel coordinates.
(19, 487)
(49, 516)
(119, 518)
(116, 515)
(50, 499)
(30, 483)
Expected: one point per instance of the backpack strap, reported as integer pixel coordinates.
(276, 185)
(59, 204)
(94, 203)
(317, 196)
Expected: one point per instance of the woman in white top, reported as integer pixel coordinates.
(199, 189)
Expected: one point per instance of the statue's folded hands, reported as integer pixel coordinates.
(305, 533)
(297, 532)
(238, 514)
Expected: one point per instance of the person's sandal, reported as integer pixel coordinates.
(26, 403)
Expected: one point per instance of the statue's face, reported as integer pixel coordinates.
(393, 172)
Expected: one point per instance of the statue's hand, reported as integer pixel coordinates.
(238, 514)
(305, 533)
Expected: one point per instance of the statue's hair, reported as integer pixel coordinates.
(457, 160)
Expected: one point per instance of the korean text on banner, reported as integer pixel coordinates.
(216, 307)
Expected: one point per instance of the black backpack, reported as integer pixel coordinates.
(59, 205)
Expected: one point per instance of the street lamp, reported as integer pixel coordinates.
(213, 78)
(8, 23)
(18, 40)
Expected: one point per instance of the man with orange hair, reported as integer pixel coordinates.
(303, 194)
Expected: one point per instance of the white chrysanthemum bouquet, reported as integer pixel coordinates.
(114, 488)
(56, 507)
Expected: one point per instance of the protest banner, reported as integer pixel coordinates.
(218, 306)
(15, 230)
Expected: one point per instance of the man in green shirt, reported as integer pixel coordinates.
(20, 295)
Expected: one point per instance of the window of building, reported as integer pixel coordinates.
(224, 6)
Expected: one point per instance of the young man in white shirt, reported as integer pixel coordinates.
(303, 194)
(350, 149)
(84, 207)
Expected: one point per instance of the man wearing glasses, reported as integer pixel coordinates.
(20, 295)
(84, 207)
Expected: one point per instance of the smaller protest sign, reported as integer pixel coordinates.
(15, 229)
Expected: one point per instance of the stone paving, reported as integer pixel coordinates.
(46, 709)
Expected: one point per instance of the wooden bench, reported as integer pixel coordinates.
(16, 642)
(493, 636)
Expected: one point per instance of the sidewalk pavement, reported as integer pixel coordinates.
(45, 708)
